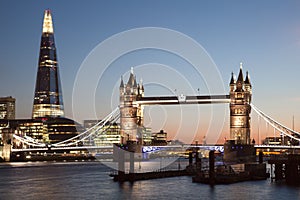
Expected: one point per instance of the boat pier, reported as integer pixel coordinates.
(285, 168)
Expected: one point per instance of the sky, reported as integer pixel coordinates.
(264, 35)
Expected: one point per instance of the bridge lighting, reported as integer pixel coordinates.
(181, 98)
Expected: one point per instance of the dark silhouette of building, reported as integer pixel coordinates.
(48, 100)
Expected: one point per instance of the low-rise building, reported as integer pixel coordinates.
(159, 138)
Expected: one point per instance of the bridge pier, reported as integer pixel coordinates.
(286, 168)
(241, 153)
(278, 171)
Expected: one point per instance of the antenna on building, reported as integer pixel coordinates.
(131, 70)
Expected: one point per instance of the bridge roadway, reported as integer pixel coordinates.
(182, 99)
(216, 147)
(152, 148)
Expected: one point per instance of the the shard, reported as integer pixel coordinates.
(48, 100)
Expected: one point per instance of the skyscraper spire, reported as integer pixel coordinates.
(47, 24)
(131, 70)
(48, 100)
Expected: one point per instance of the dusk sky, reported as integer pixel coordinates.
(264, 35)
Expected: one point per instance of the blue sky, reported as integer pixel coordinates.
(264, 35)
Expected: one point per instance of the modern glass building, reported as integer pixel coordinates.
(43, 130)
(106, 136)
(48, 100)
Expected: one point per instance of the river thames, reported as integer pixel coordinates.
(91, 180)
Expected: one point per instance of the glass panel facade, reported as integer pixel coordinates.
(48, 100)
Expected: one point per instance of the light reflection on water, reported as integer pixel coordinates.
(90, 180)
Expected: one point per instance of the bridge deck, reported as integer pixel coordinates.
(169, 100)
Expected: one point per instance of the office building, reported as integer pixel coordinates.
(48, 101)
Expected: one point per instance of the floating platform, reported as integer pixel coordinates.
(121, 177)
(286, 168)
(227, 175)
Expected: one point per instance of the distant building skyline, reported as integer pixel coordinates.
(264, 35)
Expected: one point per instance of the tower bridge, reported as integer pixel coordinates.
(132, 102)
(130, 113)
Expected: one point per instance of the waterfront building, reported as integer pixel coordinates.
(7, 107)
(48, 101)
(43, 130)
(159, 138)
(281, 140)
(272, 141)
(147, 135)
(108, 135)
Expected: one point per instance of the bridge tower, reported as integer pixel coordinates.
(240, 96)
(239, 147)
(131, 114)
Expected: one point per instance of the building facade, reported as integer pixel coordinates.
(159, 138)
(48, 100)
(108, 135)
(7, 107)
(42, 130)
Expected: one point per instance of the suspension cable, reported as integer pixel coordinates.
(281, 128)
(90, 131)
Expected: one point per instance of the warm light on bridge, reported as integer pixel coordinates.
(182, 99)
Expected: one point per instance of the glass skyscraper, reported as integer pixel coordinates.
(48, 100)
